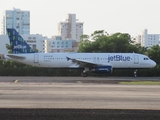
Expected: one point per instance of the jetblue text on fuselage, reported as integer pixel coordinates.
(19, 47)
(118, 58)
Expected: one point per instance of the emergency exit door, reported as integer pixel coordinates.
(36, 58)
(136, 59)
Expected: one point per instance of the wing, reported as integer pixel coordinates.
(86, 63)
(15, 57)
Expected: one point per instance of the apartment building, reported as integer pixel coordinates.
(17, 19)
(148, 40)
(71, 28)
(57, 44)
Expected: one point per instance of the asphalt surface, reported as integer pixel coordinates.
(78, 114)
(77, 98)
(75, 79)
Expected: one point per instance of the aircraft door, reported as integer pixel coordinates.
(36, 58)
(136, 59)
(97, 59)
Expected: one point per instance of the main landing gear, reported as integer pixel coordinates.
(84, 73)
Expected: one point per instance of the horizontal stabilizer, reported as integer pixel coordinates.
(16, 57)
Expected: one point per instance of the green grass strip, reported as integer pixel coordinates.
(141, 83)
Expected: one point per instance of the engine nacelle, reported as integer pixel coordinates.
(102, 69)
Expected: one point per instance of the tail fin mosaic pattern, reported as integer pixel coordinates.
(17, 43)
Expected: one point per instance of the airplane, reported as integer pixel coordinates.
(89, 62)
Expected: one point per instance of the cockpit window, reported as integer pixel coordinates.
(146, 58)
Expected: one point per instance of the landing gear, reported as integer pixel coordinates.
(84, 73)
(135, 73)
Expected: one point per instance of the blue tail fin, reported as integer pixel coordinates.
(17, 43)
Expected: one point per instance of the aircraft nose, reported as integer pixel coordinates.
(153, 64)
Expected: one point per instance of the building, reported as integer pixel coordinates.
(148, 40)
(35, 41)
(17, 19)
(4, 40)
(70, 28)
(57, 44)
(138, 39)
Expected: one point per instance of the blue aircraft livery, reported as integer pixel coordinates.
(118, 58)
(17, 43)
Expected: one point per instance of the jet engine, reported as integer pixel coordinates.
(102, 69)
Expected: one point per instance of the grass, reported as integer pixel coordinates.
(141, 83)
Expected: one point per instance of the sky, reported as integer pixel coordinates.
(125, 16)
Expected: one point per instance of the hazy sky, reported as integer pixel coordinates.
(125, 16)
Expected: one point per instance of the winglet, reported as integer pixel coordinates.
(18, 45)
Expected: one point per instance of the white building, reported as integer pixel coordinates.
(35, 41)
(17, 19)
(57, 44)
(148, 40)
(138, 39)
(70, 28)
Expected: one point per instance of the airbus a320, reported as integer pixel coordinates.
(89, 62)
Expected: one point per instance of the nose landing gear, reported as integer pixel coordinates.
(135, 73)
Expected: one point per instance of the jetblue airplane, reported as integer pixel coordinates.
(89, 62)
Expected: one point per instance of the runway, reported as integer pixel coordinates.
(78, 97)
(77, 92)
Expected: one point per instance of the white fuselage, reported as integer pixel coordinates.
(59, 60)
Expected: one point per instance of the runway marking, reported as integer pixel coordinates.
(79, 82)
(16, 81)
